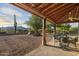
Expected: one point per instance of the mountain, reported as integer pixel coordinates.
(12, 28)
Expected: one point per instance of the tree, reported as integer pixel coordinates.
(35, 24)
(65, 27)
(74, 30)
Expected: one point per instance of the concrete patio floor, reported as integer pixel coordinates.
(53, 51)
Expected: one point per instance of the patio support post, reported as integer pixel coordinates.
(54, 31)
(78, 30)
(44, 32)
(54, 34)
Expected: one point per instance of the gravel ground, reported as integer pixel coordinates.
(18, 44)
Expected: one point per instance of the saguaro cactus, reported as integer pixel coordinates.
(15, 24)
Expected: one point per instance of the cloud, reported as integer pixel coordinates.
(5, 22)
(10, 11)
(10, 20)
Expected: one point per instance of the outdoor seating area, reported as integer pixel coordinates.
(65, 40)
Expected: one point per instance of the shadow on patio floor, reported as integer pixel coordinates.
(70, 49)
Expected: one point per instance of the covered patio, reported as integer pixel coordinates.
(55, 13)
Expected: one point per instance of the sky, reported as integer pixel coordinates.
(74, 24)
(7, 12)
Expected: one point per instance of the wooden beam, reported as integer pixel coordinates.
(52, 5)
(68, 22)
(59, 17)
(55, 9)
(63, 13)
(35, 5)
(44, 32)
(25, 7)
(39, 6)
(61, 10)
(54, 31)
(78, 30)
(46, 6)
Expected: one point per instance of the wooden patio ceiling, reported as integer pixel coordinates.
(56, 12)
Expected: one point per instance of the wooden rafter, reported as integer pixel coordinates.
(50, 12)
(63, 13)
(52, 5)
(46, 6)
(25, 7)
(62, 10)
(38, 8)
